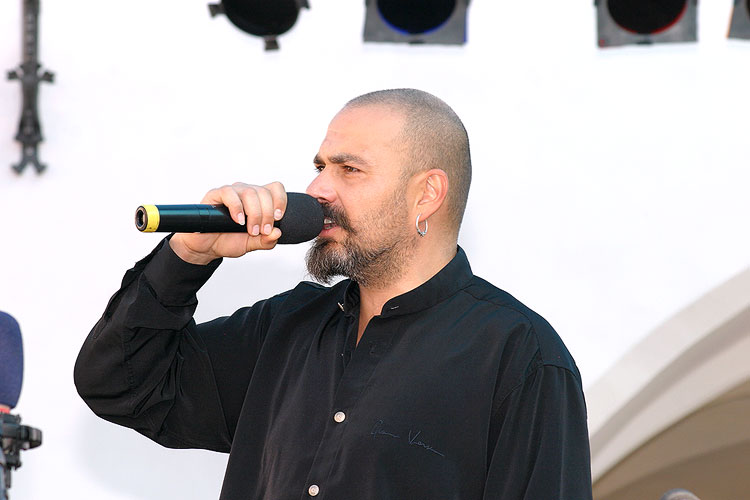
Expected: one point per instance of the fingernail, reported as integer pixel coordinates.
(277, 214)
(267, 229)
(241, 218)
(256, 230)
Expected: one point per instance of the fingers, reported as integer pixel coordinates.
(229, 197)
(263, 242)
(263, 219)
(263, 206)
(278, 194)
(257, 207)
(252, 206)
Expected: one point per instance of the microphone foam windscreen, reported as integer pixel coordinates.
(303, 219)
(11, 360)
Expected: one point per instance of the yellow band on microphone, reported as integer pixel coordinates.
(152, 218)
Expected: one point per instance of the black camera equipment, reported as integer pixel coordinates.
(14, 437)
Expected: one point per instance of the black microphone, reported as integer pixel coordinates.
(302, 221)
(679, 494)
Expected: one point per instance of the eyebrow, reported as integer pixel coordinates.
(341, 158)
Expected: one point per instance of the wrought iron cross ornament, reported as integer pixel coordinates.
(29, 73)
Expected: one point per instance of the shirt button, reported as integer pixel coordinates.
(339, 416)
(313, 490)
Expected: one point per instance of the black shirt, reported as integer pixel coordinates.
(455, 391)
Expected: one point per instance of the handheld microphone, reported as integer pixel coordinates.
(11, 360)
(302, 221)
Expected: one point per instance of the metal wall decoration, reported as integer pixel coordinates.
(740, 25)
(29, 73)
(262, 18)
(416, 21)
(630, 22)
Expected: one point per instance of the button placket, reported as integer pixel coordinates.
(354, 380)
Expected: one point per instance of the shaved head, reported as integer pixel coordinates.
(433, 136)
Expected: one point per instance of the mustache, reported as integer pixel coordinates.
(339, 217)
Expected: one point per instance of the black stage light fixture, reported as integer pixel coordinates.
(416, 21)
(264, 18)
(629, 22)
(740, 26)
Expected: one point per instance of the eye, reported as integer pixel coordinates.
(349, 169)
(319, 168)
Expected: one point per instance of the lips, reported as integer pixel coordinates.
(328, 223)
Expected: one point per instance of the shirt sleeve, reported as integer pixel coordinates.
(541, 450)
(147, 365)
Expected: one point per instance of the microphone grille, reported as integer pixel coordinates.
(303, 219)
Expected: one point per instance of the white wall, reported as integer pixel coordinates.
(610, 187)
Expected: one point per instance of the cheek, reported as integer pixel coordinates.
(377, 206)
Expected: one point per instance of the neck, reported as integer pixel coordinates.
(424, 263)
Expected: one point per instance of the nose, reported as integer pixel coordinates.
(321, 188)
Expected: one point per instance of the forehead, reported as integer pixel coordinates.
(370, 132)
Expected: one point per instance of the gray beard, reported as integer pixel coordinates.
(373, 253)
(374, 267)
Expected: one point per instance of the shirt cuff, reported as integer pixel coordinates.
(174, 281)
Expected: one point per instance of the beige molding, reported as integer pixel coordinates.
(693, 358)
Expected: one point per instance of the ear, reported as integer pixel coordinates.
(432, 188)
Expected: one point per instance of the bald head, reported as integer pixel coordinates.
(433, 136)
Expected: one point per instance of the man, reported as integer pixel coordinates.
(412, 379)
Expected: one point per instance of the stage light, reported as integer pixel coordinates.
(629, 22)
(740, 26)
(416, 21)
(264, 18)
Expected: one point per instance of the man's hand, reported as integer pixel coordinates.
(257, 207)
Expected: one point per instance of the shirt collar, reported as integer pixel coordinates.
(451, 278)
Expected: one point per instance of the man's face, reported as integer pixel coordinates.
(359, 183)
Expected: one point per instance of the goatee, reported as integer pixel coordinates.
(324, 262)
(373, 258)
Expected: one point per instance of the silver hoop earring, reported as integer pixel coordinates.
(419, 231)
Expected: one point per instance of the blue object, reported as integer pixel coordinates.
(11, 360)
